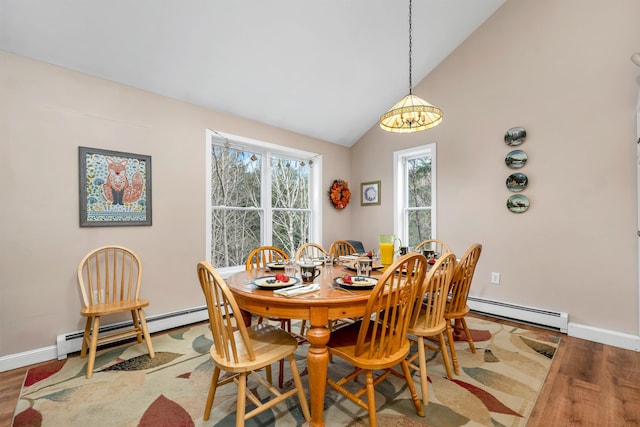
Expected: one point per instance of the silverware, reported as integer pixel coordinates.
(340, 288)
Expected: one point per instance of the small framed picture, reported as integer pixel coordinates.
(370, 193)
(115, 188)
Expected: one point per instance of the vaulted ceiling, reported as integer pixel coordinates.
(327, 69)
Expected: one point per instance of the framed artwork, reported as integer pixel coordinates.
(115, 188)
(370, 193)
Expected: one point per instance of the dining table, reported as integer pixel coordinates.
(329, 302)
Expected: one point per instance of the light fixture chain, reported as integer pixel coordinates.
(410, 42)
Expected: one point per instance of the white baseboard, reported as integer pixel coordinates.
(71, 342)
(525, 314)
(172, 320)
(604, 336)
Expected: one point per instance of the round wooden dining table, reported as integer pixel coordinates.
(330, 302)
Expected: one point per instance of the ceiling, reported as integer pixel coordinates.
(327, 69)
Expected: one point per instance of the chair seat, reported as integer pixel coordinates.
(114, 307)
(456, 314)
(269, 343)
(342, 343)
(419, 329)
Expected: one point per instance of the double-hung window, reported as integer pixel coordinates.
(415, 194)
(259, 194)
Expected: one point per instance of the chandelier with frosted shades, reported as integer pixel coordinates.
(411, 113)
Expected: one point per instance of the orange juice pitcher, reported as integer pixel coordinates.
(387, 245)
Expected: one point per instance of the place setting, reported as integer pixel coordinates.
(347, 281)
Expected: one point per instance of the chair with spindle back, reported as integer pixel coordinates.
(257, 259)
(379, 341)
(438, 246)
(109, 278)
(428, 318)
(341, 248)
(457, 308)
(311, 250)
(241, 351)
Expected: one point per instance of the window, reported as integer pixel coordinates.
(258, 194)
(415, 194)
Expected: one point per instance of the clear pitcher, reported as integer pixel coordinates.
(387, 245)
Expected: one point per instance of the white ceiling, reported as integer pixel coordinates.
(327, 69)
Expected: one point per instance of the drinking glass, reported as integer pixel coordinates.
(290, 267)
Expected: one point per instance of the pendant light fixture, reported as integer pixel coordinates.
(411, 113)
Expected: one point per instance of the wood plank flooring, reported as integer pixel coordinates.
(589, 385)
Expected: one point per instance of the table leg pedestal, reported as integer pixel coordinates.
(317, 363)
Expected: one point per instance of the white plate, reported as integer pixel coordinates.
(359, 282)
(270, 282)
(276, 265)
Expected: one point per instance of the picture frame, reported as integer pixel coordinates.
(115, 188)
(370, 193)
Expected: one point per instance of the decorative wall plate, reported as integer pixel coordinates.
(518, 203)
(517, 182)
(515, 136)
(516, 159)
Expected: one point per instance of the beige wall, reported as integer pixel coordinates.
(46, 112)
(561, 70)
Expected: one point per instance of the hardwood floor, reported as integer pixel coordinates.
(589, 385)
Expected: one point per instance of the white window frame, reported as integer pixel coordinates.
(401, 193)
(268, 150)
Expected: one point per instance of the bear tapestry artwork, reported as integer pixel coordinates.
(115, 188)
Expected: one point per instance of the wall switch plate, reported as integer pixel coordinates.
(495, 278)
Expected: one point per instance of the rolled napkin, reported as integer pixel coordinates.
(297, 290)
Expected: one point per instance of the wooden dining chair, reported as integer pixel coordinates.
(457, 309)
(438, 246)
(341, 248)
(257, 259)
(428, 319)
(379, 341)
(263, 255)
(109, 279)
(311, 250)
(241, 351)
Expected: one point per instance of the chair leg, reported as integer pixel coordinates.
(268, 374)
(303, 326)
(452, 347)
(423, 371)
(136, 325)
(468, 334)
(212, 392)
(371, 399)
(95, 328)
(145, 332)
(298, 382)
(242, 399)
(445, 355)
(412, 388)
(86, 337)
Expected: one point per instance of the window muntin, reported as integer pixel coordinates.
(259, 194)
(414, 204)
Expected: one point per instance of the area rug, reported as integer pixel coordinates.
(497, 386)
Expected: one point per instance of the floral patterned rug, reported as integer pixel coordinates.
(497, 386)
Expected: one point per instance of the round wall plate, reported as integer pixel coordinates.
(517, 182)
(515, 136)
(516, 159)
(518, 203)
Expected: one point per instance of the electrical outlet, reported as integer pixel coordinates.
(495, 278)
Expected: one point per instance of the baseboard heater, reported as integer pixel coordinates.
(72, 341)
(534, 316)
